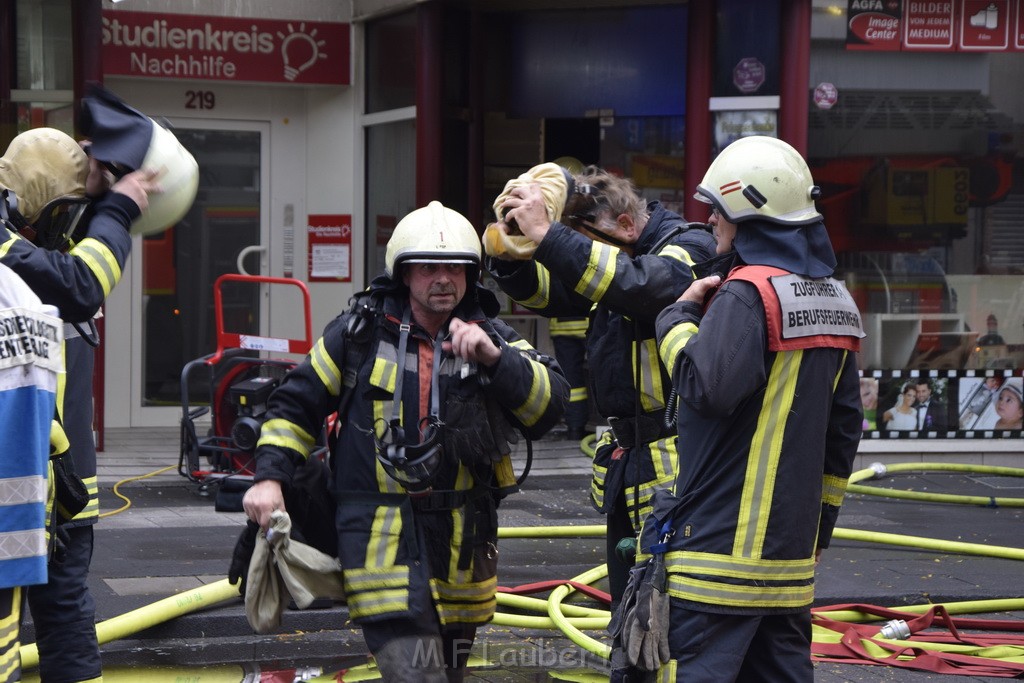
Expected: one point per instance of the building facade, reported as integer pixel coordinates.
(318, 124)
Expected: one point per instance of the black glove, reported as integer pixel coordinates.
(240, 556)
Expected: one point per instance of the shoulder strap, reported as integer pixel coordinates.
(362, 316)
(676, 230)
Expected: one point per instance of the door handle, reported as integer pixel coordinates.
(240, 261)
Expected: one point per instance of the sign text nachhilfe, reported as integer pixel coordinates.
(183, 46)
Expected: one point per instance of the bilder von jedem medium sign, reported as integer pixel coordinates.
(183, 46)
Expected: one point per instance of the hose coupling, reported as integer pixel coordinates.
(879, 469)
(896, 629)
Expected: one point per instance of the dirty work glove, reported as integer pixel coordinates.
(645, 627)
(628, 601)
(241, 556)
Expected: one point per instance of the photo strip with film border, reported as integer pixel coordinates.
(942, 404)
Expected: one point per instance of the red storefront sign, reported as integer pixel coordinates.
(928, 25)
(329, 257)
(873, 25)
(188, 46)
(985, 25)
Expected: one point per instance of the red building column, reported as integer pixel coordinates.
(429, 46)
(700, 58)
(86, 49)
(795, 24)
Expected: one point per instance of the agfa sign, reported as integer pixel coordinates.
(191, 47)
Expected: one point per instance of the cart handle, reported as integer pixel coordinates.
(226, 340)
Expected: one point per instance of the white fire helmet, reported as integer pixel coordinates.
(178, 179)
(432, 233)
(761, 177)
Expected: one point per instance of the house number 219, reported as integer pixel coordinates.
(200, 99)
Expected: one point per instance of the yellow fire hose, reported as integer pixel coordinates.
(573, 619)
(150, 615)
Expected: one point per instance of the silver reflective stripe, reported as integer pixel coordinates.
(23, 490)
(18, 544)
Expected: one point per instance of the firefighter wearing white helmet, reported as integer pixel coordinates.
(761, 177)
(432, 233)
(65, 232)
(429, 386)
(769, 406)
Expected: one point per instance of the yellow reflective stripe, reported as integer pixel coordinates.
(465, 590)
(542, 296)
(674, 251)
(734, 567)
(569, 328)
(377, 603)
(385, 484)
(521, 345)
(466, 614)
(577, 394)
(667, 672)
(465, 601)
(673, 343)
(665, 458)
(10, 652)
(325, 367)
(532, 409)
(739, 596)
(285, 434)
(833, 490)
(839, 373)
(649, 383)
(384, 373)
(455, 544)
(764, 455)
(92, 508)
(361, 580)
(385, 533)
(598, 274)
(504, 475)
(100, 260)
(6, 246)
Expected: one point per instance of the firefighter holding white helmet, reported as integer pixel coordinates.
(66, 233)
(429, 386)
(592, 245)
(769, 406)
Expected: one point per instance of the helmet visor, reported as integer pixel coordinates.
(58, 221)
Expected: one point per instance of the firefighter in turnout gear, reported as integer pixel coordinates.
(422, 457)
(770, 412)
(569, 337)
(598, 244)
(66, 233)
(30, 361)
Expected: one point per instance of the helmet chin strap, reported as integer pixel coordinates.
(601, 235)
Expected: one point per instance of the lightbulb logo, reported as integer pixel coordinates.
(300, 50)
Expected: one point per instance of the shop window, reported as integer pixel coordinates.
(390, 184)
(43, 85)
(923, 197)
(391, 63)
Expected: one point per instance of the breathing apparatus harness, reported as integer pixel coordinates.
(413, 464)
